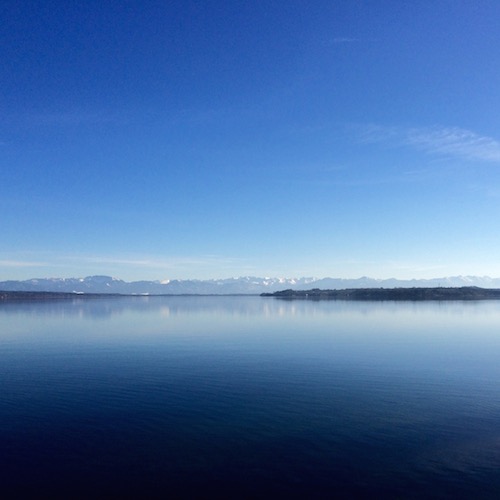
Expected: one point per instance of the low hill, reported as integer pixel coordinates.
(437, 293)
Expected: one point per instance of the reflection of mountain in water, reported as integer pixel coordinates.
(103, 306)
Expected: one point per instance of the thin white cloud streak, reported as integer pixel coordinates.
(21, 263)
(457, 142)
(344, 39)
(348, 39)
(169, 263)
(444, 141)
(68, 118)
(155, 267)
(127, 267)
(146, 261)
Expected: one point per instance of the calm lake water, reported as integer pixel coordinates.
(250, 397)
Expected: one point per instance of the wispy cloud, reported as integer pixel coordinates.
(344, 39)
(124, 266)
(67, 118)
(21, 263)
(443, 141)
(455, 141)
(347, 39)
(155, 266)
(158, 263)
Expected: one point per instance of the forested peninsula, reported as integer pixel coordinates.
(435, 293)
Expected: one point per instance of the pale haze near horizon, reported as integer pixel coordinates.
(192, 140)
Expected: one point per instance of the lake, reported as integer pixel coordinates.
(248, 397)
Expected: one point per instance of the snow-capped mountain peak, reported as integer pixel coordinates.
(241, 285)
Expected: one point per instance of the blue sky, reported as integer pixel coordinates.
(181, 139)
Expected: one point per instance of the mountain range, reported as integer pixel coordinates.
(242, 285)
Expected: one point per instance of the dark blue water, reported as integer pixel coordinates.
(249, 397)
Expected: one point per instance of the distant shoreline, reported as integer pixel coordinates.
(42, 296)
(366, 294)
(14, 296)
(409, 294)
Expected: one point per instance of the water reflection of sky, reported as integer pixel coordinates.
(432, 335)
(401, 390)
